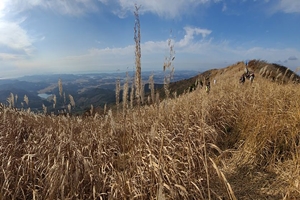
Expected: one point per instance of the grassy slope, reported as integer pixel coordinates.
(272, 72)
(239, 141)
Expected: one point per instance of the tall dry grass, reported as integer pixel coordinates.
(261, 132)
(138, 54)
(164, 149)
(190, 147)
(168, 66)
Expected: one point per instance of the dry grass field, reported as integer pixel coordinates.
(237, 142)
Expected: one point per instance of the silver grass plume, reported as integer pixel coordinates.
(69, 107)
(44, 109)
(118, 86)
(54, 100)
(72, 102)
(131, 96)
(151, 87)
(26, 100)
(125, 93)
(16, 98)
(60, 87)
(168, 66)
(92, 109)
(137, 39)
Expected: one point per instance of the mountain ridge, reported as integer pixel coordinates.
(270, 71)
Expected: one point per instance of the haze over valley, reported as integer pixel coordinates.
(95, 89)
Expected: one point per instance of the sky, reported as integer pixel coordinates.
(87, 36)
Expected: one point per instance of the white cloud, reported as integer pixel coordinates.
(270, 54)
(163, 8)
(116, 58)
(14, 37)
(189, 49)
(2, 8)
(224, 8)
(288, 6)
(72, 8)
(97, 58)
(9, 57)
(201, 53)
(104, 1)
(154, 47)
(68, 7)
(189, 36)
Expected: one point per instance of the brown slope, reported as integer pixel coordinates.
(270, 71)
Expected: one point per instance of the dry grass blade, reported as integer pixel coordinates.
(222, 177)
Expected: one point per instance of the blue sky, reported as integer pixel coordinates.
(74, 36)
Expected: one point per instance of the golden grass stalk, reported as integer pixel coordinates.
(72, 101)
(278, 76)
(16, 98)
(60, 87)
(26, 100)
(292, 77)
(118, 88)
(132, 95)
(224, 179)
(137, 39)
(125, 93)
(168, 67)
(44, 109)
(91, 110)
(65, 99)
(11, 100)
(142, 92)
(54, 100)
(151, 87)
(282, 81)
(104, 109)
(69, 107)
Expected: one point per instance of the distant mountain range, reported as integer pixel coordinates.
(86, 89)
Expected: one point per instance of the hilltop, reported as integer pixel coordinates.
(239, 141)
(270, 71)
